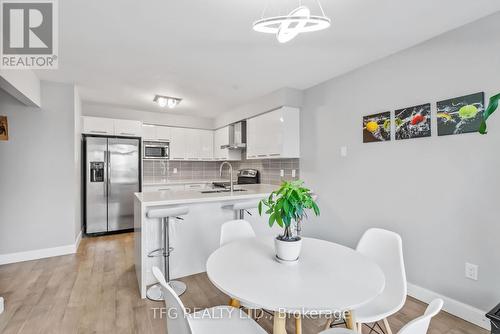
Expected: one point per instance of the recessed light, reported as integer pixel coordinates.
(167, 101)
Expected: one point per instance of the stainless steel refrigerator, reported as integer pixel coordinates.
(111, 179)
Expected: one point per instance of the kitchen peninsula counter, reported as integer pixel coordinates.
(197, 235)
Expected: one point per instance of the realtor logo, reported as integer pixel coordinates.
(29, 34)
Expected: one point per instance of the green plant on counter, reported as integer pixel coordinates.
(287, 204)
(493, 105)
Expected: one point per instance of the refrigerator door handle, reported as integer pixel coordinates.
(109, 171)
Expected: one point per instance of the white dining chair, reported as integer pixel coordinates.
(218, 319)
(419, 325)
(235, 230)
(386, 249)
(231, 231)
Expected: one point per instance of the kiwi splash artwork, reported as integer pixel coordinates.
(377, 127)
(413, 122)
(460, 115)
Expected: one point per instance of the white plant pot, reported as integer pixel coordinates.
(287, 251)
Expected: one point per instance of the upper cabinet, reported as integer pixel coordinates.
(156, 132)
(221, 137)
(275, 134)
(112, 127)
(128, 128)
(97, 125)
(191, 144)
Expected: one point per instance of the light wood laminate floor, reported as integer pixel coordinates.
(95, 291)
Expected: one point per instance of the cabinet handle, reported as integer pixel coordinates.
(127, 134)
(96, 131)
(262, 155)
(163, 139)
(274, 155)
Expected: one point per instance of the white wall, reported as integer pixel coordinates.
(167, 118)
(282, 97)
(77, 162)
(442, 194)
(37, 173)
(24, 85)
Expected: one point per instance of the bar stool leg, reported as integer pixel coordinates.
(155, 292)
(178, 286)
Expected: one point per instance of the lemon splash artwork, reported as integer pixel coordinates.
(377, 127)
(460, 115)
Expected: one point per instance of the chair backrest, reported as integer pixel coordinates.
(421, 324)
(386, 249)
(235, 230)
(175, 316)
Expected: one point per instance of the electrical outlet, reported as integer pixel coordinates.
(471, 271)
(175, 170)
(294, 173)
(282, 173)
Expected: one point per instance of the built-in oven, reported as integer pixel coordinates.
(156, 150)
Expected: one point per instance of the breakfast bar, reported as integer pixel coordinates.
(196, 235)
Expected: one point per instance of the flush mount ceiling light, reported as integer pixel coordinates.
(287, 27)
(167, 101)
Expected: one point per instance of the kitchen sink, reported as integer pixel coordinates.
(220, 191)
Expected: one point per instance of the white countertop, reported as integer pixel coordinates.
(196, 196)
(183, 181)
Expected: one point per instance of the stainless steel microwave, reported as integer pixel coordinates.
(156, 150)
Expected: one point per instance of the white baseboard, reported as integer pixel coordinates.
(1, 305)
(452, 306)
(41, 253)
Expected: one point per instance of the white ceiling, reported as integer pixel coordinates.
(124, 52)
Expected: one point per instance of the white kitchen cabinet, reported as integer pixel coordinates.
(163, 133)
(124, 127)
(149, 132)
(156, 132)
(178, 144)
(98, 125)
(221, 137)
(206, 144)
(274, 134)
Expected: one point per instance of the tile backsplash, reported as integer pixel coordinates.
(270, 169)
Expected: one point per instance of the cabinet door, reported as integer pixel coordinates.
(148, 132)
(193, 143)
(130, 128)
(220, 135)
(178, 144)
(97, 125)
(163, 133)
(207, 144)
(252, 138)
(274, 122)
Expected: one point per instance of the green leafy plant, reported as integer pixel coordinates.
(287, 204)
(493, 105)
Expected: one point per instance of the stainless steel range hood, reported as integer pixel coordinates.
(237, 136)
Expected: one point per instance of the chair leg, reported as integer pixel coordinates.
(360, 328)
(234, 303)
(387, 326)
(298, 324)
(328, 323)
(279, 323)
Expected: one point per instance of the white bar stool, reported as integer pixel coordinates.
(240, 208)
(155, 292)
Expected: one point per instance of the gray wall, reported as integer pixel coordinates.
(442, 194)
(37, 172)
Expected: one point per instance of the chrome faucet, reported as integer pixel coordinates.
(230, 173)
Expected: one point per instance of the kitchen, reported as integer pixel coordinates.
(256, 167)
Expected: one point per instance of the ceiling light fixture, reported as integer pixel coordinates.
(289, 26)
(167, 101)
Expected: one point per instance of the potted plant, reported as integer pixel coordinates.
(286, 206)
(493, 105)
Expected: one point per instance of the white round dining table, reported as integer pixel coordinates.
(327, 278)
